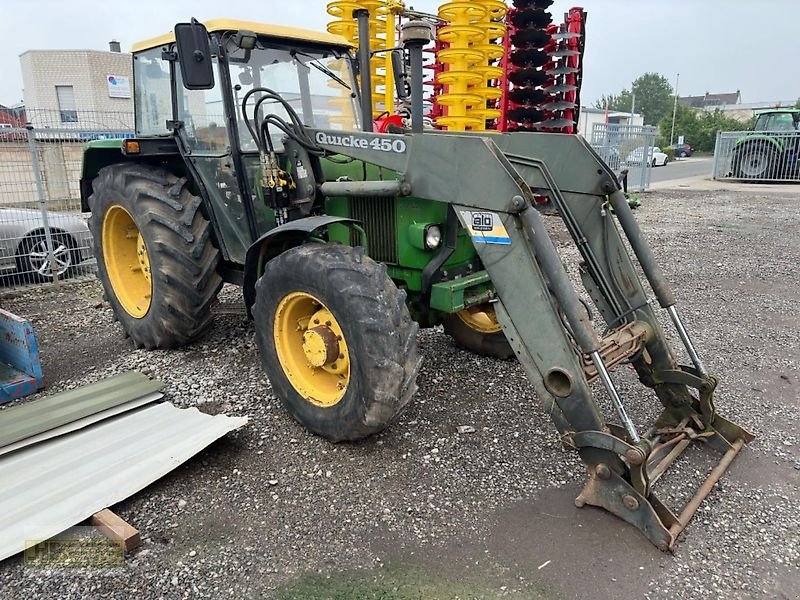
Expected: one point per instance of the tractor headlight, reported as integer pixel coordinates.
(433, 236)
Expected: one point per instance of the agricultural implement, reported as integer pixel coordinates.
(256, 163)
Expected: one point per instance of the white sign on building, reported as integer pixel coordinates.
(119, 86)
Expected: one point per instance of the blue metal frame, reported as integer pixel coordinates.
(20, 368)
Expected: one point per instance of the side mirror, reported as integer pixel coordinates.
(399, 69)
(194, 55)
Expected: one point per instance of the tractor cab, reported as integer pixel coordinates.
(778, 120)
(311, 71)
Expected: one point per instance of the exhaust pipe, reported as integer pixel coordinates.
(415, 35)
(365, 71)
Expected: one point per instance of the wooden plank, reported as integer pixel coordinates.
(114, 528)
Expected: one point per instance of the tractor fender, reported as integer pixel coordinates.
(277, 240)
(758, 139)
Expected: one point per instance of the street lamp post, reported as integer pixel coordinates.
(674, 109)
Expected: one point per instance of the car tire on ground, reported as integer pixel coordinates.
(337, 341)
(155, 256)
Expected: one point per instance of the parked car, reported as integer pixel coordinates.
(610, 156)
(23, 244)
(655, 157)
(682, 150)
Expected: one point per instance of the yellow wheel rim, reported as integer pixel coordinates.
(480, 317)
(311, 349)
(127, 262)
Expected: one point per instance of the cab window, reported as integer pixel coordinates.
(316, 84)
(203, 115)
(781, 122)
(152, 92)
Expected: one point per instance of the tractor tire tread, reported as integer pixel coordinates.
(376, 308)
(178, 239)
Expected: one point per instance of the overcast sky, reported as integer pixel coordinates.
(715, 45)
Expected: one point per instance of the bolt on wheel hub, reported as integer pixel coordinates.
(320, 346)
(311, 349)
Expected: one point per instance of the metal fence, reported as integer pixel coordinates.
(44, 238)
(626, 148)
(758, 156)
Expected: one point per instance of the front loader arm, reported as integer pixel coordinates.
(491, 183)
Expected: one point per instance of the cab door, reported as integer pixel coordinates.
(207, 139)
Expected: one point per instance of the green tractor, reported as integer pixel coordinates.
(184, 207)
(255, 163)
(772, 150)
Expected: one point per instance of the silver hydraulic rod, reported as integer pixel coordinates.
(605, 377)
(687, 341)
(653, 273)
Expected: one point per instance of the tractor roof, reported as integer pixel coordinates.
(278, 31)
(770, 111)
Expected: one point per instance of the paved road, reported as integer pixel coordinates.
(683, 168)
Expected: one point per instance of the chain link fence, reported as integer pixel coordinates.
(628, 150)
(758, 156)
(44, 238)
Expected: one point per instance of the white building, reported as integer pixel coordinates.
(589, 116)
(83, 89)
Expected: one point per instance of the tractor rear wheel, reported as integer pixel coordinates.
(754, 162)
(476, 329)
(154, 254)
(336, 340)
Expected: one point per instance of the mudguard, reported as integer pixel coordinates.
(288, 235)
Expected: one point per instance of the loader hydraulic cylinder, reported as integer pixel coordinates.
(653, 273)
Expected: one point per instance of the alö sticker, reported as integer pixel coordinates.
(485, 227)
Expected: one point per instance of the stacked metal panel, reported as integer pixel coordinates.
(66, 457)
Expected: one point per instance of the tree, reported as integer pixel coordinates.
(686, 124)
(621, 101)
(653, 98)
(699, 128)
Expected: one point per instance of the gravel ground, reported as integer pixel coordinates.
(426, 511)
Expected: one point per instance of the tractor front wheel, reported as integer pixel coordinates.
(336, 339)
(476, 329)
(155, 257)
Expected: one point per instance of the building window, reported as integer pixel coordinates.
(66, 103)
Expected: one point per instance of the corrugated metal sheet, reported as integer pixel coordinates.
(81, 423)
(50, 486)
(32, 418)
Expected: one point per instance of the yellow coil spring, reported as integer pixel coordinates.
(493, 29)
(347, 27)
(461, 58)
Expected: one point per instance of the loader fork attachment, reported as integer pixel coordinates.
(492, 183)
